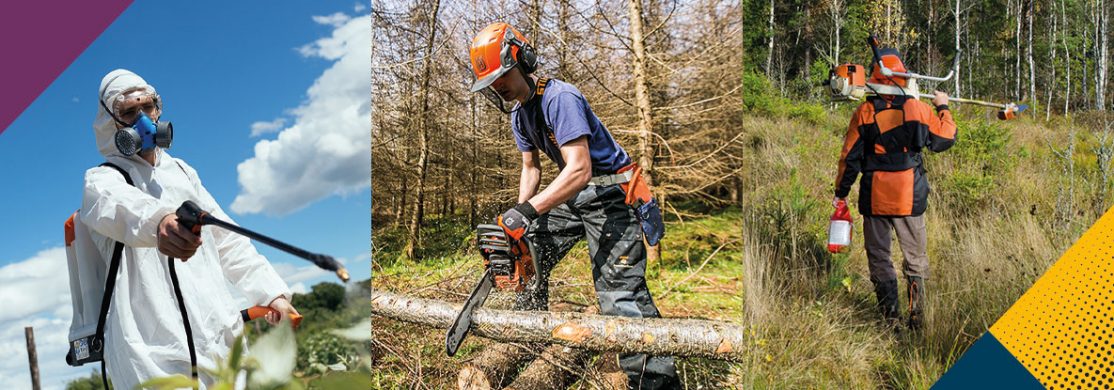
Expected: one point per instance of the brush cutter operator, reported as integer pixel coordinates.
(144, 336)
(884, 143)
(599, 194)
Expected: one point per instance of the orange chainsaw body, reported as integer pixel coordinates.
(510, 260)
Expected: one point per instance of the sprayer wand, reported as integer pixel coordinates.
(192, 217)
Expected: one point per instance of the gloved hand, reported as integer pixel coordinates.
(283, 308)
(515, 220)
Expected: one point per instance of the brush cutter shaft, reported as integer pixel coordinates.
(971, 101)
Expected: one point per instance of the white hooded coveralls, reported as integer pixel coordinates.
(144, 335)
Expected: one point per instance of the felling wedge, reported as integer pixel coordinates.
(849, 82)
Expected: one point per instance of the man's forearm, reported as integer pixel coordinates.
(528, 183)
(567, 184)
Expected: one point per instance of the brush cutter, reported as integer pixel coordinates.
(849, 82)
(509, 264)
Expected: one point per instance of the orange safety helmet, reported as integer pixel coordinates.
(497, 49)
(891, 58)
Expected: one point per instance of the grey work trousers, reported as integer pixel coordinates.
(912, 237)
(615, 245)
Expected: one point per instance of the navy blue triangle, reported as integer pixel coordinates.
(987, 364)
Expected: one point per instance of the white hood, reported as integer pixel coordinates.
(112, 85)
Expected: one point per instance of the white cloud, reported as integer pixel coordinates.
(336, 20)
(327, 149)
(264, 127)
(299, 288)
(38, 284)
(359, 7)
(36, 293)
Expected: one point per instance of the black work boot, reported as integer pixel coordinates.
(916, 302)
(886, 292)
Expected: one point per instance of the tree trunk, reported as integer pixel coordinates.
(655, 336)
(957, 34)
(642, 101)
(1017, 54)
(1067, 53)
(770, 43)
(414, 240)
(1029, 55)
(1100, 70)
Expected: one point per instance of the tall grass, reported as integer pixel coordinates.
(994, 225)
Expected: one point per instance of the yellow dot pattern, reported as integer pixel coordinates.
(1062, 329)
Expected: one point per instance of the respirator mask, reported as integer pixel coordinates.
(138, 132)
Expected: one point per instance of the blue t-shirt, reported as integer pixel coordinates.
(567, 113)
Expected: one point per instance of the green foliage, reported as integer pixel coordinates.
(760, 97)
(322, 350)
(981, 158)
(324, 296)
(91, 382)
(790, 221)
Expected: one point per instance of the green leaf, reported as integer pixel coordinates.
(846, 282)
(274, 354)
(172, 382)
(238, 349)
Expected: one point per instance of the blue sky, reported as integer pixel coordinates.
(296, 74)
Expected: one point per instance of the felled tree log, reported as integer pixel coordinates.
(655, 336)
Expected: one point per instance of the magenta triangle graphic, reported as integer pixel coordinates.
(41, 39)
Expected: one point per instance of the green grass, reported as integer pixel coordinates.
(998, 217)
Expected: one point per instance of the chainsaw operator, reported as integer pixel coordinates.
(144, 333)
(884, 142)
(598, 195)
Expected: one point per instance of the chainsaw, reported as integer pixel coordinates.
(849, 82)
(509, 265)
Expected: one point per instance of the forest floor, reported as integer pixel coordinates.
(1006, 201)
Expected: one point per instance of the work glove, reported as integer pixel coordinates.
(515, 221)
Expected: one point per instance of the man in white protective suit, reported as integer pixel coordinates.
(144, 335)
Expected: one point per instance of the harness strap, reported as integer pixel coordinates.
(109, 286)
(539, 121)
(185, 318)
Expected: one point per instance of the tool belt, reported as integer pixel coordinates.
(606, 180)
(638, 197)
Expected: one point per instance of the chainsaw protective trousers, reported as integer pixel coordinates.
(618, 254)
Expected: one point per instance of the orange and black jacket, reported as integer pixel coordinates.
(884, 142)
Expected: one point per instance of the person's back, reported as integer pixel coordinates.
(885, 142)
